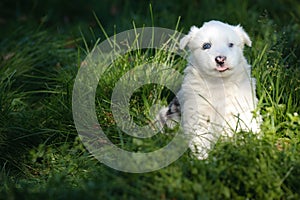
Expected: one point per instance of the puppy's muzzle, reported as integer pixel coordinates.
(220, 60)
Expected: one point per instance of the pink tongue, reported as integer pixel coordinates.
(222, 69)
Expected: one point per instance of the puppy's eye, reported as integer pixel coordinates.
(230, 45)
(206, 46)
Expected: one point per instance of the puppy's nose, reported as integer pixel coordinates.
(220, 60)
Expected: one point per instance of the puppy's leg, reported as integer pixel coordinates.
(200, 123)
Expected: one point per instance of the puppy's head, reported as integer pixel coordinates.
(217, 48)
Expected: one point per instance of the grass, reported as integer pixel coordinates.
(41, 155)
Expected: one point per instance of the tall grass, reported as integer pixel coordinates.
(41, 157)
(36, 79)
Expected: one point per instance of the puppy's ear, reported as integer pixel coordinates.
(243, 35)
(186, 39)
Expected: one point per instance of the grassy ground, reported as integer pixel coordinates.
(41, 156)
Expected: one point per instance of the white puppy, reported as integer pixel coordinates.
(217, 96)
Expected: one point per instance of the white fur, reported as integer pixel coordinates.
(215, 103)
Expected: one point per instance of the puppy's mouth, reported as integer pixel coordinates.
(222, 68)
